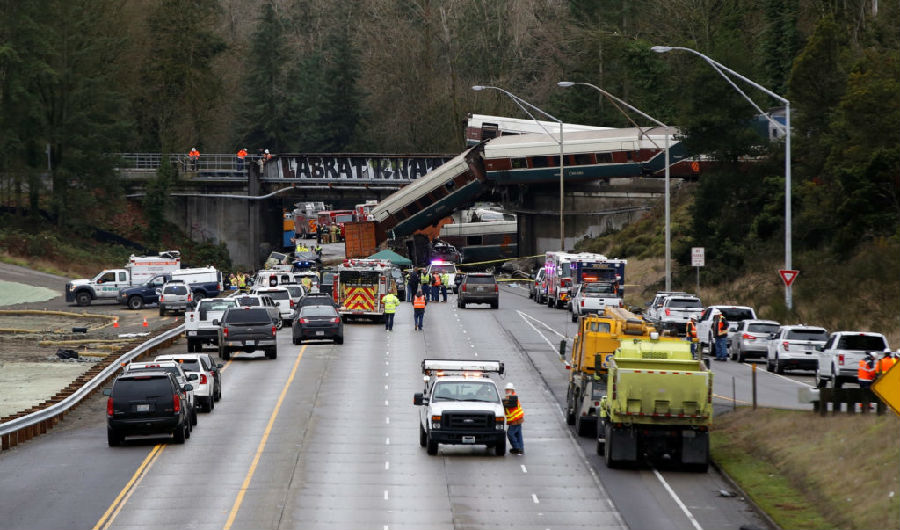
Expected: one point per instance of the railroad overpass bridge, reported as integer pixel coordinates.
(218, 199)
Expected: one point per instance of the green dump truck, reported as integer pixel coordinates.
(658, 405)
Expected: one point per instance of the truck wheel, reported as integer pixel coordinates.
(608, 449)
(431, 447)
(113, 438)
(769, 367)
(837, 382)
(83, 299)
(199, 295)
(162, 311)
(279, 324)
(740, 356)
(500, 448)
(585, 426)
(272, 353)
(224, 354)
(135, 302)
(549, 302)
(559, 304)
(423, 436)
(180, 433)
(779, 366)
(574, 318)
(495, 305)
(339, 340)
(296, 341)
(190, 346)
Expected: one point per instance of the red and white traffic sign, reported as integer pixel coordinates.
(788, 277)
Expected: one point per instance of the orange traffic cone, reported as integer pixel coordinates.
(145, 322)
(116, 323)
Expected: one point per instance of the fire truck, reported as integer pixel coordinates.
(359, 286)
(564, 270)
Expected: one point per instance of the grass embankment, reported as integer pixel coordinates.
(808, 471)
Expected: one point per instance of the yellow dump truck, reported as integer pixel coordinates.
(658, 405)
(598, 338)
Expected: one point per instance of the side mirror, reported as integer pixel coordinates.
(188, 387)
(220, 365)
(192, 377)
(107, 391)
(216, 322)
(420, 399)
(158, 290)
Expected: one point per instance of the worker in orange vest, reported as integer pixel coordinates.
(690, 334)
(419, 303)
(241, 155)
(194, 157)
(866, 372)
(885, 363)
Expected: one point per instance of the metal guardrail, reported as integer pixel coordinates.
(26, 427)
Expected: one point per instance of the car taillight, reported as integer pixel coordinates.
(190, 297)
(176, 403)
(161, 298)
(747, 336)
(274, 329)
(225, 332)
(621, 303)
(785, 345)
(668, 312)
(496, 288)
(109, 406)
(202, 379)
(192, 317)
(464, 288)
(335, 320)
(292, 303)
(582, 303)
(841, 359)
(304, 321)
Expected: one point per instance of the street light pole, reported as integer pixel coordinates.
(521, 103)
(668, 229)
(719, 67)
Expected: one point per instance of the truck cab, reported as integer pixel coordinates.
(106, 284)
(461, 405)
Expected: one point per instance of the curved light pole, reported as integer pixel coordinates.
(720, 68)
(566, 84)
(521, 103)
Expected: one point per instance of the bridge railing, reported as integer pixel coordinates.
(209, 165)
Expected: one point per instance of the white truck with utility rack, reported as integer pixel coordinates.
(461, 405)
(106, 284)
(840, 355)
(593, 297)
(672, 311)
(198, 326)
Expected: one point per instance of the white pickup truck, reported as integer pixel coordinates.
(733, 314)
(591, 298)
(839, 357)
(198, 326)
(106, 284)
(671, 311)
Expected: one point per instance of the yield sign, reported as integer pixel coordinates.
(788, 276)
(887, 388)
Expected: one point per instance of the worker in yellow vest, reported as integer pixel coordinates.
(390, 302)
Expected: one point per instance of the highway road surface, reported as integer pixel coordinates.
(326, 437)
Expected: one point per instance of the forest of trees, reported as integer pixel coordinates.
(80, 79)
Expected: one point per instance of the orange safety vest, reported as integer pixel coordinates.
(419, 302)
(437, 280)
(722, 328)
(241, 154)
(885, 364)
(865, 373)
(690, 331)
(194, 153)
(514, 416)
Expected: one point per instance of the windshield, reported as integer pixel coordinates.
(565, 270)
(189, 365)
(216, 305)
(597, 289)
(247, 316)
(449, 268)
(735, 314)
(142, 388)
(862, 343)
(809, 334)
(247, 301)
(175, 289)
(295, 290)
(470, 279)
(764, 328)
(277, 295)
(343, 218)
(685, 303)
(318, 311)
(484, 391)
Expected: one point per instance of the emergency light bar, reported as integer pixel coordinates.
(463, 365)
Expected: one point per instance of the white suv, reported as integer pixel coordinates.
(839, 357)
(282, 298)
(204, 386)
(795, 347)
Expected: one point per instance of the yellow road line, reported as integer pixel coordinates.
(262, 445)
(116, 506)
(726, 398)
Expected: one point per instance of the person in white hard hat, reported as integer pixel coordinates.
(515, 417)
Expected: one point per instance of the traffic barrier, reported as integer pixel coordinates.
(851, 397)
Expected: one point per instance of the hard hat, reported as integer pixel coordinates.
(510, 386)
(267, 151)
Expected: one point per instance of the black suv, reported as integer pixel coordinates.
(147, 403)
(246, 329)
(478, 288)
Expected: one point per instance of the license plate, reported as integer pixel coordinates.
(192, 333)
(480, 289)
(143, 407)
(251, 343)
(468, 439)
(320, 333)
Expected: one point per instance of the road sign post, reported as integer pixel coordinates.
(788, 276)
(698, 259)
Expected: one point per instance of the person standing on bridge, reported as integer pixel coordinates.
(515, 417)
(419, 303)
(194, 157)
(241, 155)
(390, 302)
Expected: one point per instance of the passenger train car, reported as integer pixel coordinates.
(484, 241)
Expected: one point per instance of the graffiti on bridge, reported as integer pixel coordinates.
(358, 167)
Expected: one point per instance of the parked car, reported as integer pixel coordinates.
(247, 329)
(479, 288)
(174, 368)
(297, 292)
(215, 368)
(839, 357)
(204, 386)
(175, 296)
(538, 290)
(282, 298)
(318, 322)
(317, 299)
(591, 298)
(198, 326)
(750, 340)
(147, 402)
(676, 311)
(261, 300)
(795, 347)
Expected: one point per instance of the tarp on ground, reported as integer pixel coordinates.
(393, 257)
